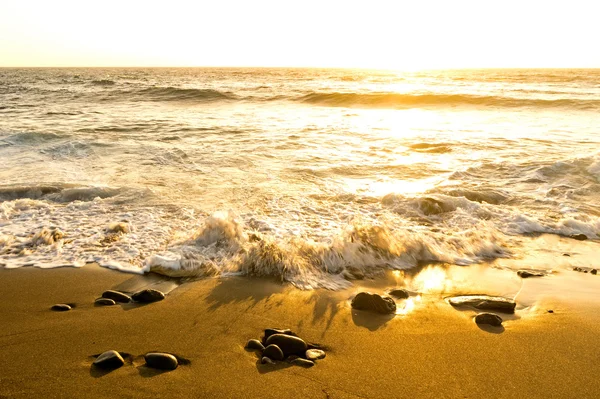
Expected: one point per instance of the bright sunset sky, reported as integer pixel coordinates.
(371, 34)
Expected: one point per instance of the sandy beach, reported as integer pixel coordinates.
(428, 349)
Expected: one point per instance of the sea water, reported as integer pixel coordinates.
(314, 176)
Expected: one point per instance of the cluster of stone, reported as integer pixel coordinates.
(279, 345)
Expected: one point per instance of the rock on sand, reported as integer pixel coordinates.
(488, 318)
(485, 302)
(109, 360)
(289, 344)
(162, 361)
(148, 296)
(374, 303)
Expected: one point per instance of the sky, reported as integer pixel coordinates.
(423, 34)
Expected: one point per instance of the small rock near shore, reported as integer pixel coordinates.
(594, 271)
(116, 296)
(485, 302)
(374, 303)
(289, 344)
(255, 344)
(315, 354)
(104, 302)
(302, 362)
(530, 273)
(61, 307)
(109, 360)
(161, 361)
(488, 318)
(399, 293)
(273, 352)
(148, 296)
(579, 237)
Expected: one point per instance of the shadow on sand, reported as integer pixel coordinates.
(369, 320)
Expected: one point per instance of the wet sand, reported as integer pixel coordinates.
(429, 349)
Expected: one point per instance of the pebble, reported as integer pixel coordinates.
(485, 302)
(594, 271)
(109, 360)
(550, 311)
(488, 318)
(291, 358)
(530, 273)
(315, 354)
(578, 237)
(303, 362)
(273, 352)
(255, 344)
(374, 303)
(271, 331)
(266, 360)
(104, 302)
(148, 296)
(399, 293)
(289, 344)
(116, 296)
(61, 307)
(162, 361)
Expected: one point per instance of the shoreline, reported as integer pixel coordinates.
(428, 349)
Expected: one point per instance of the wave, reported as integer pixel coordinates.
(24, 138)
(103, 82)
(224, 245)
(433, 148)
(408, 100)
(181, 94)
(60, 192)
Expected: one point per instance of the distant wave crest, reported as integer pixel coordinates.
(409, 100)
(182, 94)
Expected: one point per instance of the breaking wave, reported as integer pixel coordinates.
(56, 192)
(223, 245)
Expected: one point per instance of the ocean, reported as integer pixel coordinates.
(315, 177)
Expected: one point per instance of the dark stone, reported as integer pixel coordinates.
(399, 293)
(312, 345)
(255, 344)
(271, 331)
(109, 360)
(302, 362)
(374, 303)
(266, 360)
(530, 273)
(104, 302)
(594, 271)
(289, 344)
(579, 237)
(162, 361)
(116, 296)
(577, 269)
(148, 296)
(61, 307)
(550, 311)
(488, 318)
(273, 352)
(291, 358)
(315, 354)
(566, 255)
(485, 302)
